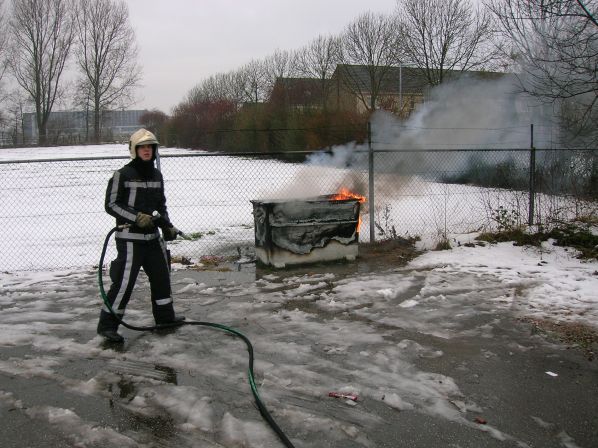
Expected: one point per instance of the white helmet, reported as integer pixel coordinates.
(142, 137)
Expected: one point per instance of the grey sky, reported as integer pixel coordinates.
(182, 42)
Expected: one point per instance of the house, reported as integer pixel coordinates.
(299, 93)
(348, 89)
(396, 89)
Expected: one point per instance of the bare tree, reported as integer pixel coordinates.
(154, 120)
(319, 60)
(280, 65)
(555, 46)
(213, 88)
(82, 96)
(17, 103)
(229, 88)
(106, 56)
(3, 58)
(42, 34)
(250, 82)
(3, 48)
(369, 41)
(440, 36)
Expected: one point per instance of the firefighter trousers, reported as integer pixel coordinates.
(131, 257)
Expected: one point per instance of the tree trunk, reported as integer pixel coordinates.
(97, 130)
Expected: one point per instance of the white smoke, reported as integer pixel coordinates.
(463, 114)
(466, 114)
(341, 156)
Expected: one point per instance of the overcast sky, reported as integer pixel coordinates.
(182, 42)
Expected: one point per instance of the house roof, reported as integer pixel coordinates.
(300, 90)
(405, 79)
(299, 82)
(394, 79)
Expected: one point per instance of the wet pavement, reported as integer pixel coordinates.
(457, 369)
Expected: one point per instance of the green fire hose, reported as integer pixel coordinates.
(262, 408)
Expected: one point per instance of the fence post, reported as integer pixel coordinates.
(532, 178)
(371, 184)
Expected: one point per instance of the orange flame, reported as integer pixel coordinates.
(345, 193)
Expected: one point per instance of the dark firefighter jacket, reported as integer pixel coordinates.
(128, 194)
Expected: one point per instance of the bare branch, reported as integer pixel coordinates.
(251, 82)
(371, 40)
(42, 35)
(445, 36)
(280, 65)
(319, 60)
(106, 57)
(3, 47)
(555, 45)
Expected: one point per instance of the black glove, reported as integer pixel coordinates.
(170, 233)
(144, 221)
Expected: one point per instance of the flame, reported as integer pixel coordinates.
(345, 193)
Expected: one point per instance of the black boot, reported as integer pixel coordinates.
(111, 336)
(108, 326)
(169, 326)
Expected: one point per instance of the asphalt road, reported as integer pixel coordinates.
(60, 387)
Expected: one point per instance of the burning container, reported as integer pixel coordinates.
(300, 231)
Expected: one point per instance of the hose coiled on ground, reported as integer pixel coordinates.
(262, 408)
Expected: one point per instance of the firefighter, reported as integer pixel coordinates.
(134, 193)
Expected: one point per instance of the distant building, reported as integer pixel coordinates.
(77, 126)
(398, 89)
(299, 93)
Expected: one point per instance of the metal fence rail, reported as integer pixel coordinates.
(53, 210)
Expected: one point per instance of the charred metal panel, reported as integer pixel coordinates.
(306, 230)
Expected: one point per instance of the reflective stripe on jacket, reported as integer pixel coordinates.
(128, 194)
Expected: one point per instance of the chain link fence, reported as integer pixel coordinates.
(53, 210)
(440, 193)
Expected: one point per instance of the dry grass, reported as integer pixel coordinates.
(573, 334)
(394, 252)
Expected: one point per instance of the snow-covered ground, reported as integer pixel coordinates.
(53, 212)
(58, 207)
(318, 331)
(546, 283)
(386, 336)
(565, 285)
